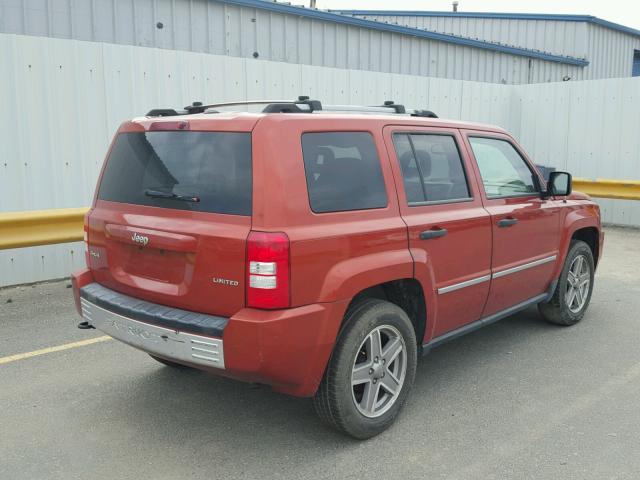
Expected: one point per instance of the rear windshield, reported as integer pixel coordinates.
(199, 171)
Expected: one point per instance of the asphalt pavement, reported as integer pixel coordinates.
(519, 399)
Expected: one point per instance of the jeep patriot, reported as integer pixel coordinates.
(320, 249)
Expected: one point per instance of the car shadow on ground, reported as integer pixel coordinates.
(193, 408)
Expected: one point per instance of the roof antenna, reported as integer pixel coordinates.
(455, 5)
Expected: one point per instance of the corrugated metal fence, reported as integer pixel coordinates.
(590, 128)
(64, 99)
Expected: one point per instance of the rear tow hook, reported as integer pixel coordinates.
(85, 326)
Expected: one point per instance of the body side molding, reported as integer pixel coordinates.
(498, 274)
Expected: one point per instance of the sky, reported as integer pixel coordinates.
(625, 12)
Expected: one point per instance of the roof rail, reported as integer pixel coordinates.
(395, 106)
(424, 113)
(272, 106)
(302, 105)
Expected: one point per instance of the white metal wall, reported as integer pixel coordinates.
(553, 36)
(209, 26)
(609, 52)
(63, 100)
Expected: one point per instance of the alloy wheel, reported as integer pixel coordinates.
(578, 282)
(379, 371)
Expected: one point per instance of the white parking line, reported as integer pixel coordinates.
(58, 348)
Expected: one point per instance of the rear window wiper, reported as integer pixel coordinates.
(170, 195)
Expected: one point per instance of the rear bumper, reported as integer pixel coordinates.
(102, 299)
(287, 349)
(165, 342)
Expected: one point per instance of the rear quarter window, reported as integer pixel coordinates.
(198, 171)
(343, 172)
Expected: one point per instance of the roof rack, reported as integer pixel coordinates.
(302, 105)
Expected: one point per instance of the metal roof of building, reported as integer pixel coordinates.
(498, 15)
(344, 17)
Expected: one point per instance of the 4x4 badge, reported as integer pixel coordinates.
(141, 239)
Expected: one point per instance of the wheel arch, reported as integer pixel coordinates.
(590, 236)
(406, 293)
(579, 224)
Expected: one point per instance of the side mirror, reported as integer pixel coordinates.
(559, 184)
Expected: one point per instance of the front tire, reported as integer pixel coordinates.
(371, 370)
(575, 285)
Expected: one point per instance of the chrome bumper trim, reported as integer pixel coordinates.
(165, 342)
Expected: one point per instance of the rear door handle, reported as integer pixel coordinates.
(507, 222)
(435, 233)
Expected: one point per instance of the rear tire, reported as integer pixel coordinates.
(169, 363)
(575, 285)
(370, 372)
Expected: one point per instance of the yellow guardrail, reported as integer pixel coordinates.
(601, 188)
(44, 227)
(41, 227)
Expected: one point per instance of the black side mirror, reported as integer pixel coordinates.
(559, 184)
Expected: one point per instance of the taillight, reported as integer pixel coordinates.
(268, 270)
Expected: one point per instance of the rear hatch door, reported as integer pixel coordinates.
(171, 218)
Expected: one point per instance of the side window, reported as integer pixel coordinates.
(431, 167)
(410, 175)
(504, 172)
(343, 172)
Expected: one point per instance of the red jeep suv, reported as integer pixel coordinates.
(319, 249)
